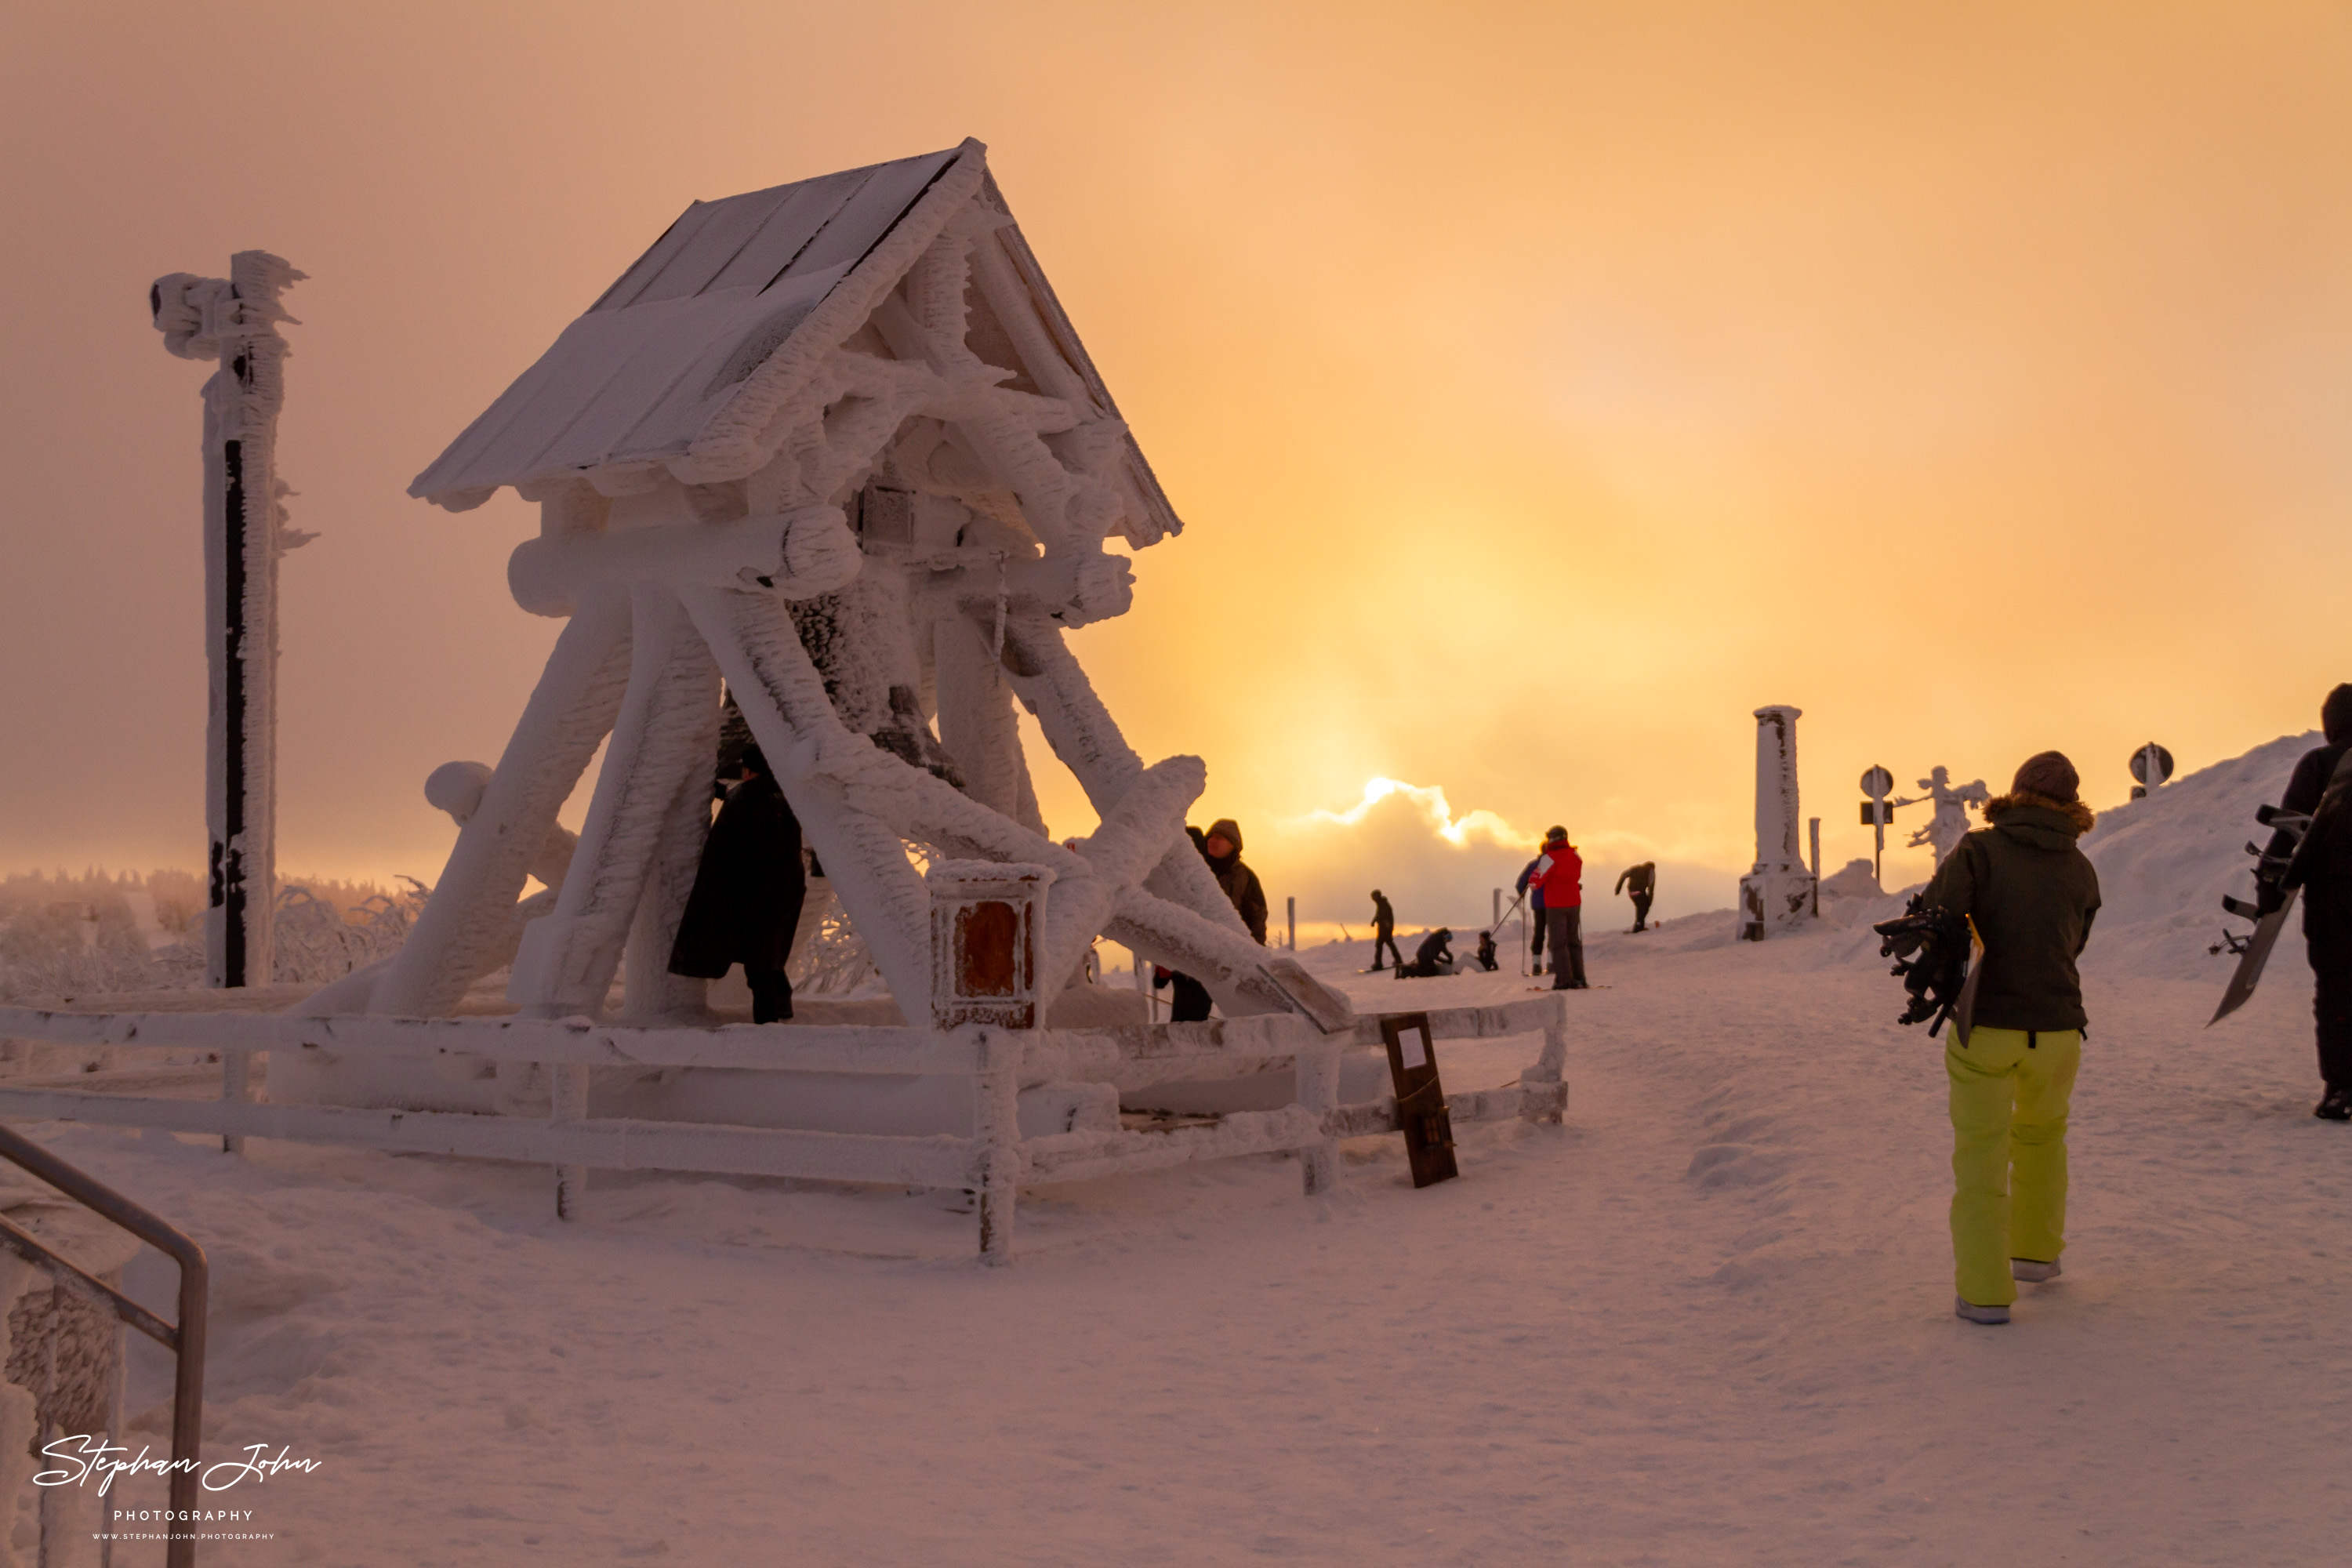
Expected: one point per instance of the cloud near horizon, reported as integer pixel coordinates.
(1438, 866)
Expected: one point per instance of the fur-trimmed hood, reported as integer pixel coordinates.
(2023, 806)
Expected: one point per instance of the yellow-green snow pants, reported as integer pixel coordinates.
(2009, 1090)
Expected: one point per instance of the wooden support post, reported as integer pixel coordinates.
(1318, 1091)
(1292, 919)
(985, 923)
(996, 1136)
(236, 1074)
(1543, 1087)
(570, 1104)
(233, 321)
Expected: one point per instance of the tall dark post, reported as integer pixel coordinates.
(234, 322)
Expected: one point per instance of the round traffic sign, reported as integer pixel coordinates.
(1877, 784)
(2140, 765)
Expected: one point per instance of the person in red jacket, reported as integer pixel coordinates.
(1559, 874)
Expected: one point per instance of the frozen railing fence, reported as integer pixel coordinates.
(992, 1162)
(989, 923)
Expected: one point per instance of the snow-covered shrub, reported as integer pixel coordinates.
(97, 934)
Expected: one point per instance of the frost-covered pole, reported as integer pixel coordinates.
(1779, 892)
(235, 321)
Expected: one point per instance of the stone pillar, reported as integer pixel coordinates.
(1780, 892)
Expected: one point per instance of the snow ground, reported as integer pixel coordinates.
(1707, 1321)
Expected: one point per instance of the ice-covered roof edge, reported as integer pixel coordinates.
(730, 445)
(1157, 513)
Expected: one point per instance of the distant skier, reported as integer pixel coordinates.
(747, 896)
(1558, 874)
(1486, 959)
(1434, 957)
(2325, 875)
(1383, 931)
(1644, 881)
(1528, 887)
(2032, 896)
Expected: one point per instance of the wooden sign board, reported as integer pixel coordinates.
(1421, 1099)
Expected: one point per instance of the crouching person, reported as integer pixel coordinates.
(1432, 958)
(747, 896)
(2030, 895)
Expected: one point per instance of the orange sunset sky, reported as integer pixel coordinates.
(1543, 387)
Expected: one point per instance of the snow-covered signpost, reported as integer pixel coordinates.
(234, 322)
(1949, 823)
(1877, 784)
(1779, 892)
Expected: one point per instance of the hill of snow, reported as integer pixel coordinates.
(1707, 1321)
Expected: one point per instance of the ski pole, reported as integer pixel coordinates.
(1508, 913)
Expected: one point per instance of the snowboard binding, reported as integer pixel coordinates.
(1930, 947)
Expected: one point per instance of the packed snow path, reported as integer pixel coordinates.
(1707, 1321)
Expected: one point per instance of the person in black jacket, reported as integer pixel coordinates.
(1383, 931)
(2326, 872)
(1434, 957)
(748, 889)
(1643, 880)
(2030, 895)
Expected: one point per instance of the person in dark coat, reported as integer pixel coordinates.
(1434, 957)
(1529, 888)
(1486, 959)
(1222, 846)
(1189, 1001)
(1383, 931)
(2030, 895)
(1643, 880)
(2326, 873)
(746, 903)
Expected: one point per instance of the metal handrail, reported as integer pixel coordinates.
(184, 1340)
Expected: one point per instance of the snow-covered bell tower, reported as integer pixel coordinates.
(1780, 892)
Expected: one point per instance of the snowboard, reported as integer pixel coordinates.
(2254, 951)
(2256, 954)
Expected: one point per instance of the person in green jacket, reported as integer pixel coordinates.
(2030, 895)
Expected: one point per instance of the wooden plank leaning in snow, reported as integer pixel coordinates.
(1006, 1069)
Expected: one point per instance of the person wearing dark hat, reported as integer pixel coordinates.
(1383, 931)
(1558, 874)
(2325, 873)
(1223, 848)
(748, 891)
(1189, 1002)
(2030, 895)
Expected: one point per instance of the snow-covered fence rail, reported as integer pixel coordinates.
(992, 1161)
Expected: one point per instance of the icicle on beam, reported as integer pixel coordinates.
(233, 320)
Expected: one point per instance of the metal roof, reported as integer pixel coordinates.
(642, 372)
(662, 353)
